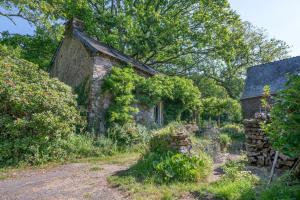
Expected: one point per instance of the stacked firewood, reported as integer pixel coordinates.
(258, 148)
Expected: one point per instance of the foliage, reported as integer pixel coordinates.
(235, 184)
(182, 167)
(38, 49)
(257, 48)
(200, 38)
(283, 188)
(121, 84)
(179, 95)
(266, 97)
(209, 87)
(36, 111)
(128, 88)
(218, 107)
(163, 164)
(128, 134)
(235, 131)
(284, 129)
(225, 141)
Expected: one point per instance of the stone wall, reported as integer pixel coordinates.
(258, 148)
(72, 63)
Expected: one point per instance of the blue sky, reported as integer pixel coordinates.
(279, 17)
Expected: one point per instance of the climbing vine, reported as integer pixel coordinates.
(128, 88)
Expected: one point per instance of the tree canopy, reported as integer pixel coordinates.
(192, 37)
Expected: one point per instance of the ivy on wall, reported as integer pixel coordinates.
(128, 88)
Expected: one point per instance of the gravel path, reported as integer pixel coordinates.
(71, 181)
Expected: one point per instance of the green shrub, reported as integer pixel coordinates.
(284, 188)
(128, 134)
(36, 113)
(182, 167)
(225, 141)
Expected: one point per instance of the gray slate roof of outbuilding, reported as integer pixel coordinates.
(273, 74)
(96, 46)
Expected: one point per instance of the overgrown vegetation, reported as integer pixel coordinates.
(181, 97)
(236, 183)
(161, 163)
(286, 187)
(284, 128)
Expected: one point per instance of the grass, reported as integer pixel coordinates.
(283, 188)
(118, 159)
(140, 190)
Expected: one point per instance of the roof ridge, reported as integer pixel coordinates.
(273, 62)
(92, 43)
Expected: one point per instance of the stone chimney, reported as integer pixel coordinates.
(75, 23)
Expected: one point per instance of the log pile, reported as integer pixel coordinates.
(258, 148)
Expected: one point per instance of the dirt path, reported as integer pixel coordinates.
(71, 181)
(217, 166)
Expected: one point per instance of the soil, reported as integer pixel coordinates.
(70, 181)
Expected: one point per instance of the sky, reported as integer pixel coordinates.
(280, 18)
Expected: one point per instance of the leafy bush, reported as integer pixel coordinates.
(284, 188)
(128, 134)
(36, 112)
(182, 167)
(225, 141)
(284, 128)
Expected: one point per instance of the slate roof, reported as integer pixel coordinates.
(273, 74)
(96, 46)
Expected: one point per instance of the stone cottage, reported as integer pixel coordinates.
(81, 61)
(273, 74)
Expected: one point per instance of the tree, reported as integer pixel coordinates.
(157, 32)
(229, 72)
(218, 107)
(38, 49)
